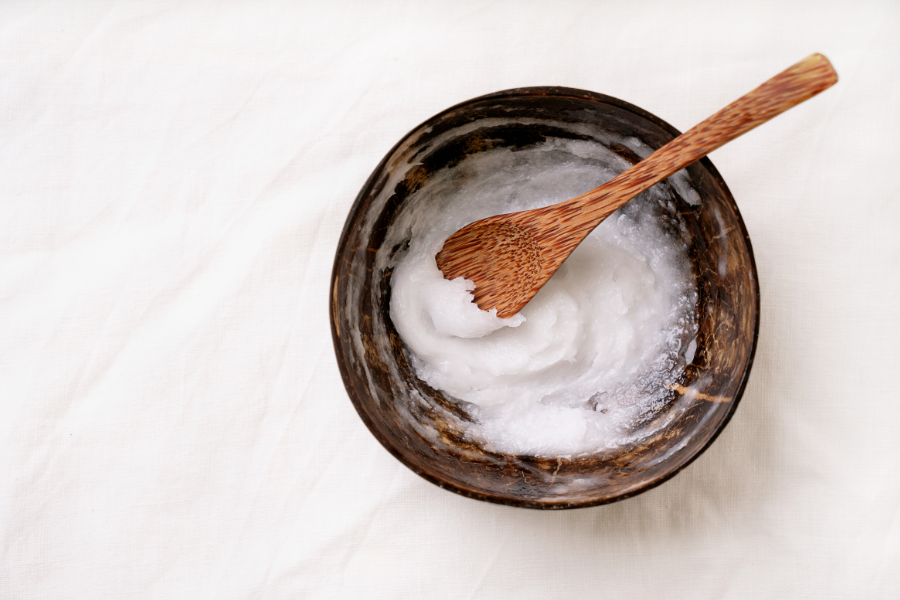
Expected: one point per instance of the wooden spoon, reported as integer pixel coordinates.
(510, 257)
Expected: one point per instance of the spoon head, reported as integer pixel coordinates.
(503, 260)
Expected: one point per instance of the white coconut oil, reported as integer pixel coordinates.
(592, 359)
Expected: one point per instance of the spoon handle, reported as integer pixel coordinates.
(789, 88)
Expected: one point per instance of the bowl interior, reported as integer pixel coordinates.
(420, 426)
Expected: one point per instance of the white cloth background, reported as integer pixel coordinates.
(173, 181)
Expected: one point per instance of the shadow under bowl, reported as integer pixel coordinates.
(421, 427)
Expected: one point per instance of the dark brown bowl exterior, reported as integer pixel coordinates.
(420, 427)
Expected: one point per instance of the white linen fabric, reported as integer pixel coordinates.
(174, 178)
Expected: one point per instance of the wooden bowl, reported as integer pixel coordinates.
(421, 427)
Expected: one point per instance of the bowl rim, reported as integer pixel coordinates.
(561, 92)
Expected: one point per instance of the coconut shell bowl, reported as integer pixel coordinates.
(422, 427)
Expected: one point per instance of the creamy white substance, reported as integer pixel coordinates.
(591, 360)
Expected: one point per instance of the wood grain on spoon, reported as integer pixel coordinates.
(510, 257)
